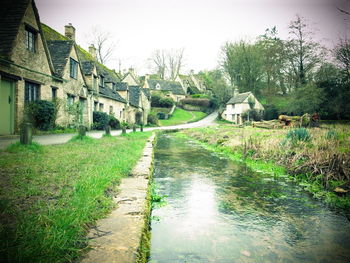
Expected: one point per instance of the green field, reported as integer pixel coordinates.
(51, 195)
(181, 116)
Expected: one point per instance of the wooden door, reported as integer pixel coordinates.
(6, 107)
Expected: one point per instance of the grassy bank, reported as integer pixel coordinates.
(319, 163)
(51, 195)
(181, 116)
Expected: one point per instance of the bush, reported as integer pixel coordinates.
(161, 115)
(203, 96)
(152, 119)
(159, 101)
(197, 102)
(114, 122)
(253, 115)
(300, 134)
(271, 112)
(166, 102)
(42, 113)
(100, 120)
(332, 135)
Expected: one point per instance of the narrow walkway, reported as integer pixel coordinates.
(63, 138)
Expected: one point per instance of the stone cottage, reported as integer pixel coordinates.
(26, 70)
(239, 104)
(171, 89)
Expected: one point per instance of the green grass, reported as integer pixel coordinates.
(181, 116)
(51, 195)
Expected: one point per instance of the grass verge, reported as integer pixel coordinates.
(181, 116)
(51, 195)
(318, 164)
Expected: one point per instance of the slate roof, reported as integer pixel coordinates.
(121, 86)
(11, 14)
(147, 93)
(87, 67)
(165, 85)
(107, 92)
(59, 51)
(134, 95)
(239, 98)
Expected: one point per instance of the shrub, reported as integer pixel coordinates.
(332, 134)
(155, 100)
(253, 115)
(271, 112)
(113, 122)
(161, 115)
(203, 96)
(42, 113)
(197, 102)
(166, 102)
(152, 119)
(100, 120)
(300, 134)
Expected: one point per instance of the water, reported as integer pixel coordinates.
(220, 211)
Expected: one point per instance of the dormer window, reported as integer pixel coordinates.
(157, 86)
(30, 39)
(73, 68)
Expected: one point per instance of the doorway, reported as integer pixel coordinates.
(6, 107)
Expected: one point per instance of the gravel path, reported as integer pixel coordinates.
(63, 138)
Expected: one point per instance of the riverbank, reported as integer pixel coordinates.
(320, 163)
(52, 195)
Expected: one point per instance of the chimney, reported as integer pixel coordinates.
(92, 51)
(235, 92)
(131, 71)
(147, 77)
(192, 72)
(69, 31)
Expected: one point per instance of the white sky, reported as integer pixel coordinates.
(200, 26)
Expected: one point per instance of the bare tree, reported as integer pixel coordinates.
(102, 40)
(168, 63)
(175, 62)
(342, 54)
(303, 54)
(159, 60)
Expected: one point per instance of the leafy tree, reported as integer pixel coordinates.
(242, 62)
(214, 80)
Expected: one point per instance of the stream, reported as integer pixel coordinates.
(218, 210)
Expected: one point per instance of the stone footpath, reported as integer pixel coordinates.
(116, 239)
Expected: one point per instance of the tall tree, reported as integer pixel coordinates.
(102, 40)
(302, 52)
(241, 61)
(168, 63)
(342, 55)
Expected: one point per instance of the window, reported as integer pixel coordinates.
(30, 39)
(73, 68)
(70, 99)
(95, 82)
(95, 105)
(54, 93)
(32, 92)
(102, 81)
(101, 106)
(111, 110)
(113, 86)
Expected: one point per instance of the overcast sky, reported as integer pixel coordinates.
(200, 26)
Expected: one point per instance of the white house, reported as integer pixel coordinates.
(240, 103)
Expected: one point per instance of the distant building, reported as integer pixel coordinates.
(239, 104)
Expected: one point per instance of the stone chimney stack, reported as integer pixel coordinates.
(69, 31)
(92, 51)
(235, 92)
(192, 72)
(131, 71)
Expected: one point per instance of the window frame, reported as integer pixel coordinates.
(31, 92)
(30, 39)
(54, 93)
(70, 99)
(73, 68)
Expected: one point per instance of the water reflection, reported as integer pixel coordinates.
(219, 211)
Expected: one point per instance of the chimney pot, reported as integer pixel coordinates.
(69, 31)
(92, 51)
